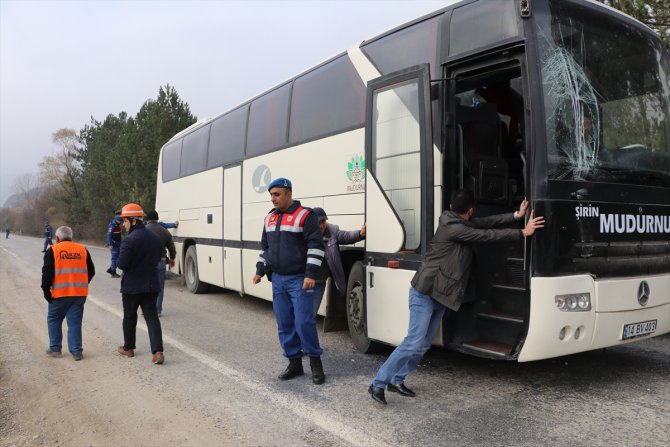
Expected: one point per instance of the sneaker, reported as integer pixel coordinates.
(54, 353)
(126, 352)
(77, 356)
(115, 275)
(109, 270)
(158, 358)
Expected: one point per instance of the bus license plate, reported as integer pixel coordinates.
(639, 329)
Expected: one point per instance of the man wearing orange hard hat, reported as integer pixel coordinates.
(140, 253)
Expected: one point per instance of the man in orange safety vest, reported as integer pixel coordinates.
(66, 273)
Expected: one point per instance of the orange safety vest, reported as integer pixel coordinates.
(71, 271)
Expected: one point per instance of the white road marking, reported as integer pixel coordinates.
(292, 404)
(10, 252)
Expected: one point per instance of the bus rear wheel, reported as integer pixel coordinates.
(193, 282)
(356, 310)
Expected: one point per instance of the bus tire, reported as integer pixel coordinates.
(356, 310)
(191, 278)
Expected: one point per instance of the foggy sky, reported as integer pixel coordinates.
(63, 62)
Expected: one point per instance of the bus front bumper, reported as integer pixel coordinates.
(616, 315)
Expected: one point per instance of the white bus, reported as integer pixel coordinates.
(563, 102)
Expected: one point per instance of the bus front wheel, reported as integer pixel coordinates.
(356, 310)
(193, 282)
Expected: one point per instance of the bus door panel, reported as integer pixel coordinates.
(232, 228)
(399, 204)
(489, 145)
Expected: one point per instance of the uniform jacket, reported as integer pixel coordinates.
(48, 231)
(114, 234)
(445, 271)
(291, 243)
(140, 253)
(49, 268)
(159, 230)
(332, 237)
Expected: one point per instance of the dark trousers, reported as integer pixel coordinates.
(147, 301)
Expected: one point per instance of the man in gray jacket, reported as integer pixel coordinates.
(441, 282)
(332, 238)
(166, 238)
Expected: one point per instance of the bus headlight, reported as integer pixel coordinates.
(575, 302)
(584, 301)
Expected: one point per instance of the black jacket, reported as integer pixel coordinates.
(140, 253)
(291, 243)
(166, 238)
(332, 238)
(445, 271)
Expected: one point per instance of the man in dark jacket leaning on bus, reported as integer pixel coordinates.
(441, 282)
(159, 229)
(332, 265)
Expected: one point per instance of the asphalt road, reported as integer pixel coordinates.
(222, 359)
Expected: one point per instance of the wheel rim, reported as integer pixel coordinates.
(355, 304)
(190, 271)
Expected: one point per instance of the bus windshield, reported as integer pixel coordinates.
(606, 99)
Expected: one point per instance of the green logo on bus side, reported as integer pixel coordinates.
(356, 173)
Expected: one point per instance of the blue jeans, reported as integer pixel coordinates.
(71, 308)
(425, 315)
(294, 312)
(47, 242)
(161, 284)
(319, 289)
(115, 256)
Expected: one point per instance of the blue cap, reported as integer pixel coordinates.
(280, 182)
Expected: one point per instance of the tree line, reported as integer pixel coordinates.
(653, 13)
(99, 169)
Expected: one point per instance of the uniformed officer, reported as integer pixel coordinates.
(292, 253)
(114, 241)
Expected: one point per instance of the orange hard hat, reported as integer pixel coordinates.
(132, 210)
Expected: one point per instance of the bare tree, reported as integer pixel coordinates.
(27, 187)
(62, 168)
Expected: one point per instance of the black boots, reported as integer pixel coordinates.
(294, 369)
(318, 376)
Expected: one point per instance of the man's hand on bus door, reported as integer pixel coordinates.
(533, 224)
(522, 210)
(256, 279)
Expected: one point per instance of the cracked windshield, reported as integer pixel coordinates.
(606, 101)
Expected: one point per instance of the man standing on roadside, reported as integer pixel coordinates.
(140, 253)
(66, 273)
(166, 239)
(48, 235)
(114, 241)
(292, 253)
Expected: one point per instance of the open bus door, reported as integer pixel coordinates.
(490, 145)
(398, 205)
